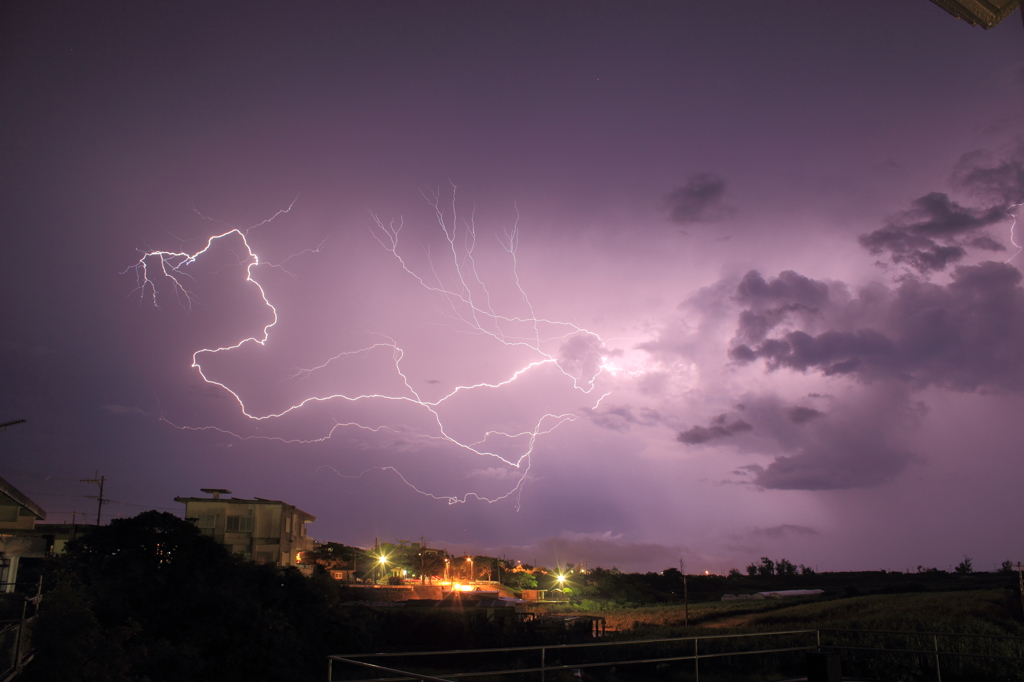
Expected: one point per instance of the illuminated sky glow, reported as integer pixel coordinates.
(615, 283)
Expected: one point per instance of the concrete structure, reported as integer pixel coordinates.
(264, 531)
(18, 516)
(984, 13)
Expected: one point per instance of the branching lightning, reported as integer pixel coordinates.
(467, 304)
(1012, 213)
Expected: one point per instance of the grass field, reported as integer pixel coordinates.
(992, 612)
(971, 611)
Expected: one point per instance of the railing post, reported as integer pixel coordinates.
(330, 669)
(543, 664)
(817, 633)
(696, 662)
(938, 671)
(20, 638)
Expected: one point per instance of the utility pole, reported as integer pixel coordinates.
(686, 604)
(99, 498)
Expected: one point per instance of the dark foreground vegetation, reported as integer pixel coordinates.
(151, 599)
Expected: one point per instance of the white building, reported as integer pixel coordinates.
(264, 531)
(18, 516)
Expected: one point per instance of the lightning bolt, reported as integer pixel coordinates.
(467, 305)
(1012, 213)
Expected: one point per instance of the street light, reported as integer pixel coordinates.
(561, 584)
(383, 560)
(470, 560)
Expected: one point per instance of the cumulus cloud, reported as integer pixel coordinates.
(698, 201)
(858, 445)
(789, 290)
(720, 427)
(998, 180)
(965, 335)
(936, 232)
(581, 355)
(933, 234)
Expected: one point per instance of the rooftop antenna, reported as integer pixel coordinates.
(3, 426)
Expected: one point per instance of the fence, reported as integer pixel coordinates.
(851, 644)
(15, 647)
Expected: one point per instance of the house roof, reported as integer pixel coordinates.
(239, 500)
(17, 497)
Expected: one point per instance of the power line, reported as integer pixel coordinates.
(35, 474)
(99, 498)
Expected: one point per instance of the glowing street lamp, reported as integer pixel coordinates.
(383, 560)
(470, 560)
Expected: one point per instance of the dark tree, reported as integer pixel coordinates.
(154, 598)
(784, 567)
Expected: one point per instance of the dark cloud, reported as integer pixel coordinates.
(929, 237)
(936, 231)
(855, 461)
(720, 427)
(770, 302)
(1000, 181)
(801, 415)
(859, 446)
(963, 336)
(788, 289)
(698, 201)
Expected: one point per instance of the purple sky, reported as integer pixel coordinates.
(743, 280)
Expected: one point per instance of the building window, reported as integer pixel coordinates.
(8, 513)
(239, 524)
(265, 557)
(207, 521)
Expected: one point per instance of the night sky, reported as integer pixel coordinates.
(615, 283)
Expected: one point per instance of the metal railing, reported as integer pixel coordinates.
(815, 643)
(933, 652)
(544, 667)
(15, 648)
